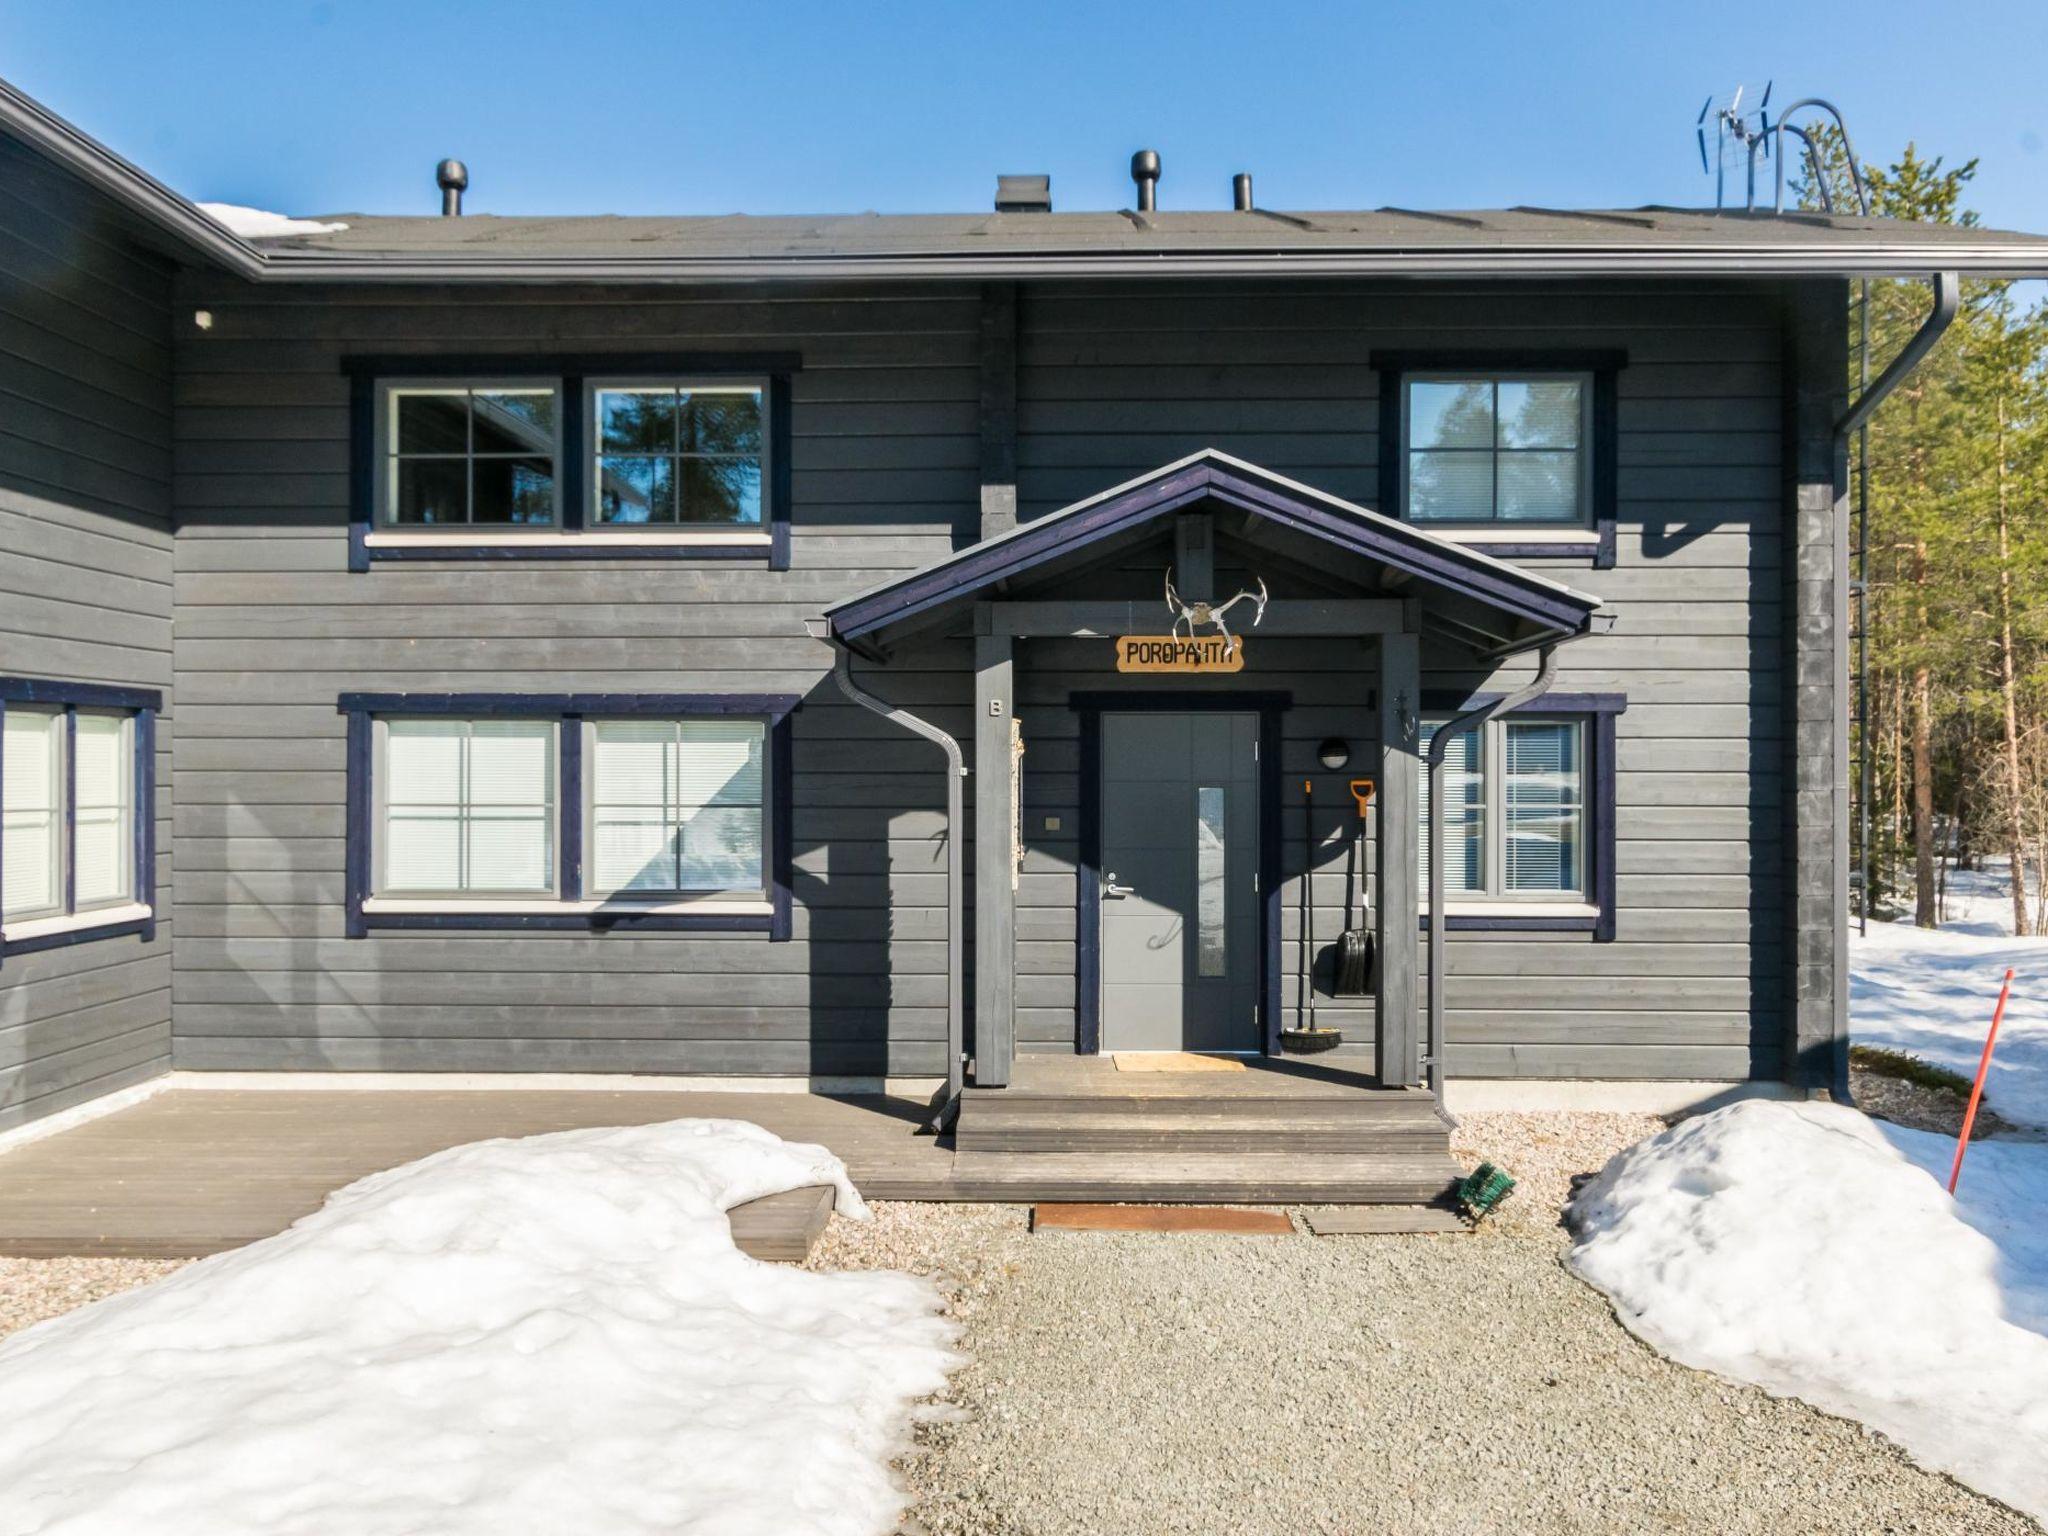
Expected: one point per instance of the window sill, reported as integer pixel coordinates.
(76, 928)
(609, 544)
(1524, 543)
(1515, 916)
(740, 915)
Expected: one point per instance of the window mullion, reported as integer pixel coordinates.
(672, 802)
(462, 808)
(67, 809)
(1495, 753)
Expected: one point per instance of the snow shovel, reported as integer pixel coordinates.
(1354, 946)
(1307, 1036)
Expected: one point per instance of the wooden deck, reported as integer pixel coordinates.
(194, 1171)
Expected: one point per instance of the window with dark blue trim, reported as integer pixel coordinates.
(1488, 480)
(590, 811)
(77, 836)
(1542, 861)
(606, 457)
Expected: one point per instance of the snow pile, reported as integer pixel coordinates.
(2000, 1195)
(1930, 992)
(259, 224)
(1789, 1245)
(552, 1334)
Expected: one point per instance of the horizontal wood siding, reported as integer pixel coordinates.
(1116, 381)
(85, 584)
(1113, 381)
(273, 626)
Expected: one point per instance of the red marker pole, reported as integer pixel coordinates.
(1955, 1171)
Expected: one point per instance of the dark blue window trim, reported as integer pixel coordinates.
(571, 709)
(366, 370)
(1603, 364)
(144, 704)
(1600, 709)
(1090, 706)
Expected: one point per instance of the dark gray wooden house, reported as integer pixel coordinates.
(476, 644)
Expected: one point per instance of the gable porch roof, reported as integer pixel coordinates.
(1528, 607)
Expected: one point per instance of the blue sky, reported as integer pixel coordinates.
(316, 106)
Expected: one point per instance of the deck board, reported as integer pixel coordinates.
(196, 1171)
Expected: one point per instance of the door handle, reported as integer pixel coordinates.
(1111, 888)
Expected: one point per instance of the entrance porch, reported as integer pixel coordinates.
(1162, 853)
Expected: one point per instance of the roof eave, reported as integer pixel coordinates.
(1888, 261)
(127, 183)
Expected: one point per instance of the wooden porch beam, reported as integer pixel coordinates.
(998, 413)
(1397, 1038)
(1194, 556)
(1292, 617)
(995, 896)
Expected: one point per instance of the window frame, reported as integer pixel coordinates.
(133, 912)
(1496, 525)
(1494, 820)
(575, 534)
(380, 814)
(593, 435)
(387, 456)
(1592, 909)
(568, 906)
(1592, 539)
(769, 817)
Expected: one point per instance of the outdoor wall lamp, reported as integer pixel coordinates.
(1334, 753)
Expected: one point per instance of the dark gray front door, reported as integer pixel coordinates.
(1180, 895)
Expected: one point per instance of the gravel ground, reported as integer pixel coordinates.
(1920, 1108)
(33, 1289)
(1194, 1384)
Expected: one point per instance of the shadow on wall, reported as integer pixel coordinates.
(869, 855)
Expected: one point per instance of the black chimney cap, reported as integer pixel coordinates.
(1023, 194)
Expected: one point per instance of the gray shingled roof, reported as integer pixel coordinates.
(1513, 242)
(1393, 241)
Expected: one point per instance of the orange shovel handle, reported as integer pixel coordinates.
(1362, 791)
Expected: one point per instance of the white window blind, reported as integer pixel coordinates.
(1464, 814)
(31, 815)
(469, 806)
(1544, 804)
(676, 805)
(1514, 814)
(103, 838)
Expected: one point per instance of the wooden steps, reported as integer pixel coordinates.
(1201, 1178)
(1111, 1129)
(1072, 1131)
(782, 1228)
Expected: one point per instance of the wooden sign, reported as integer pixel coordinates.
(1169, 653)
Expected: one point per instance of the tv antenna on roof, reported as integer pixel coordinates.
(1741, 126)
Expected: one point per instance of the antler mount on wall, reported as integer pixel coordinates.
(1204, 614)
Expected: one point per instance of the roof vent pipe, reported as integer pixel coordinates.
(1241, 191)
(452, 177)
(1145, 172)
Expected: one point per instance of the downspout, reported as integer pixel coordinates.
(956, 1037)
(1439, 744)
(1948, 290)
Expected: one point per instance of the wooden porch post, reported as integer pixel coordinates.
(995, 898)
(1394, 1021)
